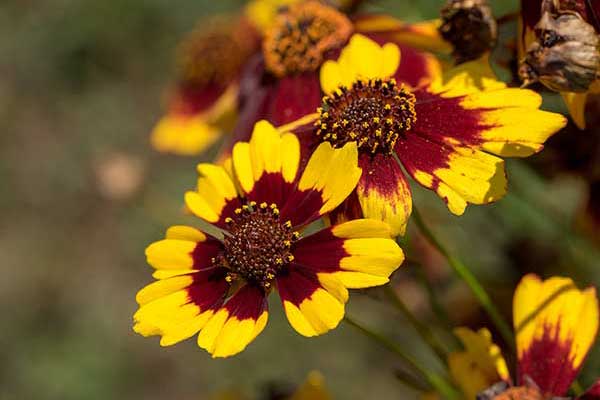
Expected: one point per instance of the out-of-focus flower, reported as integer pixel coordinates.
(313, 388)
(479, 365)
(471, 28)
(210, 60)
(447, 134)
(555, 325)
(560, 47)
(262, 200)
(284, 85)
(119, 175)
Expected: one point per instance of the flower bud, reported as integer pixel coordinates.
(565, 55)
(470, 26)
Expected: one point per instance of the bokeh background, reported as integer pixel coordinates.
(83, 194)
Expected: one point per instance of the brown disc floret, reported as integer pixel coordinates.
(373, 113)
(257, 245)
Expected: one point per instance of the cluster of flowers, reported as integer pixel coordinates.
(331, 113)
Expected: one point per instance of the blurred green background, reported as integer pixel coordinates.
(83, 194)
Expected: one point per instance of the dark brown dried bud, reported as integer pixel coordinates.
(470, 26)
(565, 56)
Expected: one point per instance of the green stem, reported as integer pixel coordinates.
(467, 276)
(420, 327)
(437, 382)
(437, 308)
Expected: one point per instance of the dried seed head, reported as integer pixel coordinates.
(565, 56)
(470, 26)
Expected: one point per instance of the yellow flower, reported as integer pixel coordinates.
(479, 365)
(262, 199)
(448, 134)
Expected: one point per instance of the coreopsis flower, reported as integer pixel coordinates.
(447, 135)
(283, 85)
(479, 365)
(559, 46)
(209, 62)
(555, 325)
(261, 202)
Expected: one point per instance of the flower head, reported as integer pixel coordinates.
(210, 60)
(284, 86)
(447, 134)
(262, 202)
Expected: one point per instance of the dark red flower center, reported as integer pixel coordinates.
(257, 245)
(300, 37)
(215, 52)
(372, 113)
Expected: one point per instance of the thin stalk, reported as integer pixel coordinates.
(437, 382)
(467, 276)
(426, 334)
(437, 308)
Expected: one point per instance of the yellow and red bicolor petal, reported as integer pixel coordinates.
(189, 128)
(312, 307)
(469, 106)
(552, 341)
(237, 323)
(184, 250)
(216, 195)
(177, 308)
(593, 393)
(347, 211)
(267, 166)
(383, 191)
(421, 35)
(329, 177)
(359, 253)
(459, 175)
(479, 365)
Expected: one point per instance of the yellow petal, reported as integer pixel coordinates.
(183, 134)
(480, 365)
(334, 172)
(171, 254)
(575, 103)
